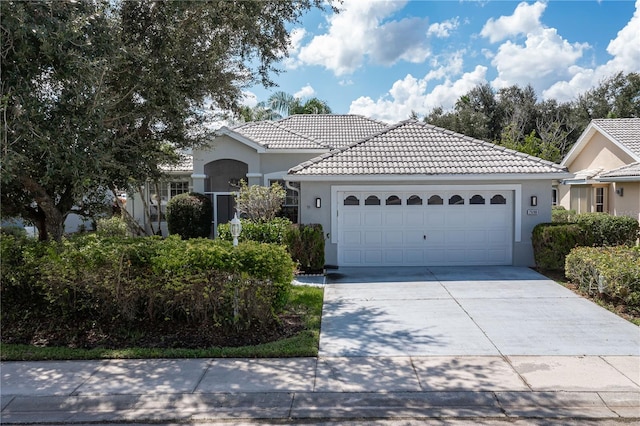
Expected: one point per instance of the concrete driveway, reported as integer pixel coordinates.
(458, 311)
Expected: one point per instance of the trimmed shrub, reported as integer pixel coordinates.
(129, 281)
(189, 215)
(306, 246)
(273, 231)
(305, 243)
(552, 242)
(561, 215)
(614, 271)
(607, 230)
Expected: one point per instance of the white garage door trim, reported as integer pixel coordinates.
(411, 251)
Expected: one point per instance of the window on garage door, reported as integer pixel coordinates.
(456, 200)
(351, 200)
(476, 199)
(414, 200)
(372, 200)
(393, 200)
(435, 200)
(498, 199)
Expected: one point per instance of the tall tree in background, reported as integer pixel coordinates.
(100, 94)
(513, 116)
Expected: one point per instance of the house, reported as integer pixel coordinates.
(407, 194)
(606, 163)
(415, 194)
(262, 152)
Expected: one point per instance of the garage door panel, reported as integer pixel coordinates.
(372, 218)
(394, 256)
(372, 237)
(373, 257)
(414, 218)
(478, 236)
(413, 237)
(427, 234)
(393, 238)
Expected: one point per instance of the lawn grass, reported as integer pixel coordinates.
(304, 300)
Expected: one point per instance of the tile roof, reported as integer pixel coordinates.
(626, 131)
(414, 148)
(275, 136)
(629, 170)
(309, 131)
(184, 165)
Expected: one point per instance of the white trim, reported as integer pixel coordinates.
(619, 179)
(516, 188)
(254, 175)
(274, 176)
(198, 176)
(427, 178)
(296, 151)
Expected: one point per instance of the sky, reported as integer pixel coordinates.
(384, 59)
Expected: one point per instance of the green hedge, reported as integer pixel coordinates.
(552, 242)
(614, 271)
(273, 231)
(607, 230)
(562, 215)
(305, 243)
(189, 215)
(149, 280)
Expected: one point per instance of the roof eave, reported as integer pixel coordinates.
(620, 179)
(424, 177)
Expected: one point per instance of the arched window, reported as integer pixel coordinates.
(435, 200)
(351, 200)
(456, 200)
(476, 199)
(393, 200)
(498, 199)
(372, 200)
(414, 200)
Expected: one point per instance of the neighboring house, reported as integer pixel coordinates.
(606, 163)
(407, 194)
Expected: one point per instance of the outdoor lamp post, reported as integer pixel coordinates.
(236, 228)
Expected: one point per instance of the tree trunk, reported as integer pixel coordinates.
(51, 224)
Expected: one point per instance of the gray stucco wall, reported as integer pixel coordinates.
(529, 216)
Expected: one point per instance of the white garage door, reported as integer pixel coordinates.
(430, 228)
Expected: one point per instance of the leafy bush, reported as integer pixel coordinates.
(614, 271)
(114, 226)
(305, 243)
(552, 242)
(273, 231)
(607, 230)
(15, 230)
(306, 246)
(562, 215)
(147, 280)
(259, 203)
(189, 215)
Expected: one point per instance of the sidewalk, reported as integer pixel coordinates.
(325, 389)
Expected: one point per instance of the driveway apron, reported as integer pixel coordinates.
(458, 311)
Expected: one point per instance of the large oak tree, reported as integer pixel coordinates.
(98, 95)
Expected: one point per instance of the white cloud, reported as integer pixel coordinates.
(296, 37)
(543, 58)
(625, 52)
(410, 94)
(249, 99)
(361, 30)
(443, 29)
(306, 92)
(525, 18)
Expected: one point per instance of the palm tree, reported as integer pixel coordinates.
(287, 104)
